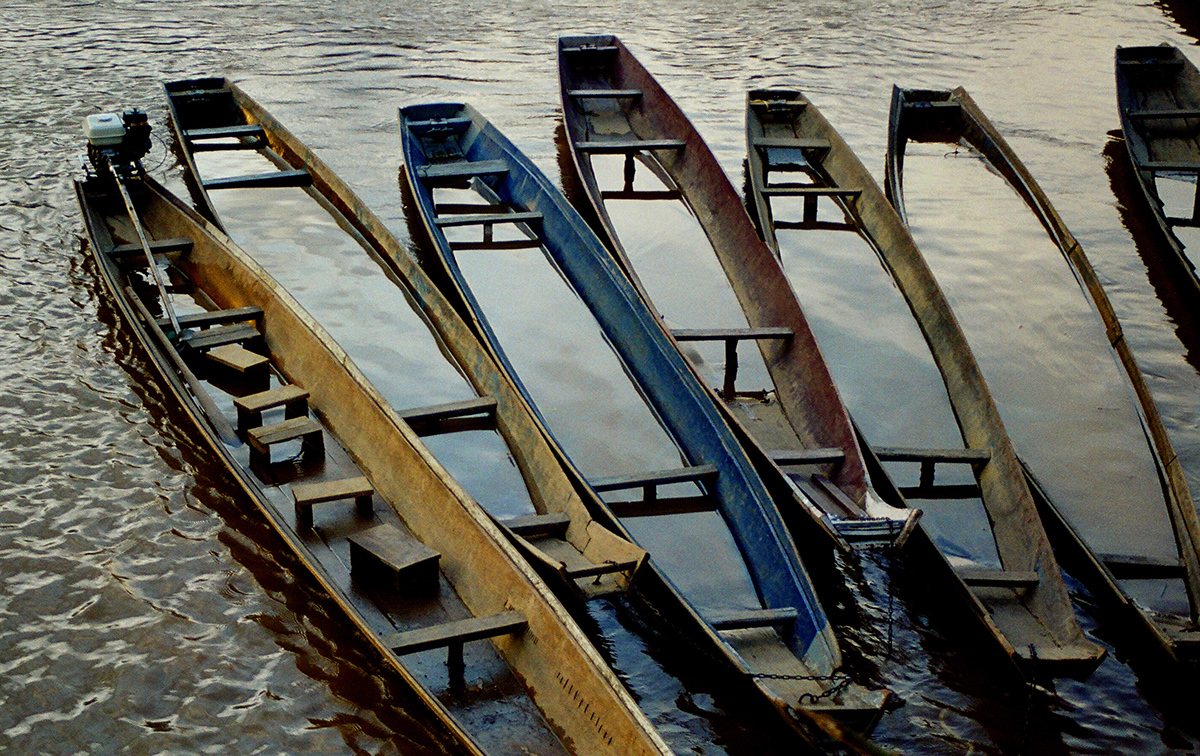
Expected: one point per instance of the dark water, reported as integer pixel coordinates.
(145, 608)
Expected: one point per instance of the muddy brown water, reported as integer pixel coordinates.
(147, 609)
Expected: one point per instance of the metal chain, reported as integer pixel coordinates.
(840, 681)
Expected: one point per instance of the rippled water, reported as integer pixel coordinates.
(146, 609)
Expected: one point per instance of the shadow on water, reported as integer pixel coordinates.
(1160, 261)
(1185, 13)
(380, 709)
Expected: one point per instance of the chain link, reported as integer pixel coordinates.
(839, 683)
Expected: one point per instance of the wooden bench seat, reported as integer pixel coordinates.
(221, 335)
(783, 617)
(823, 456)
(307, 430)
(989, 578)
(223, 132)
(291, 397)
(798, 143)
(135, 255)
(427, 420)
(656, 478)
(275, 179)
(595, 570)
(595, 94)
(806, 191)
(440, 173)
(539, 525)
(627, 146)
(306, 495)
(486, 219)
(211, 318)
(387, 552)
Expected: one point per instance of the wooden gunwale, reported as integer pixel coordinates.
(809, 401)
(664, 377)
(973, 126)
(551, 490)
(1058, 641)
(1167, 80)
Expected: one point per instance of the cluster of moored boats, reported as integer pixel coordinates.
(709, 512)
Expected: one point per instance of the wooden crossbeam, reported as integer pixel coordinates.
(1143, 115)
(461, 170)
(632, 194)
(482, 409)
(215, 317)
(985, 578)
(157, 247)
(693, 474)
(540, 525)
(731, 337)
(800, 143)
(222, 335)
(223, 132)
(595, 570)
(624, 146)
(486, 219)
(1132, 567)
(273, 180)
(783, 617)
(594, 94)
(822, 456)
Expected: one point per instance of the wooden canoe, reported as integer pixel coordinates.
(557, 534)
(1158, 98)
(463, 173)
(791, 143)
(796, 425)
(951, 116)
(415, 563)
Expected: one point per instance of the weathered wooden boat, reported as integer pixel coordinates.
(1006, 570)
(465, 176)
(795, 425)
(1121, 564)
(555, 529)
(416, 564)
(1158, 97)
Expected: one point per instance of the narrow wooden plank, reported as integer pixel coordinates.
(807, 456)
(332, 490)
(655, 478)
(750, 618)
(272, 180)
(157, 246)
(662, 506)
(1164, 113)
(801, 143)
(1165, 166)
(621, 146)
(540, 525)
(223, 335)
(1130, 567)
(435, 412)
(236, 357)
(468, 246)
(215, 317)
(960, 492)
(728, 334)
(482, 219)
(276, 397)
(591, 94)
(638, 194)
(462, 169)
(917, 454)
(440, 124)
(985, 578)
(222, 132)
(594, 570)
(798, 190)
(460, 631)
(278, 433)
(586, 49)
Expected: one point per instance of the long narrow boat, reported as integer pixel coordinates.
(1158, 97)
(1139, 474)
(543, 510)
(416, 564)
(719, 544)
(616, 115)
(850, 252)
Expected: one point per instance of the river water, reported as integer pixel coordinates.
(146, 608)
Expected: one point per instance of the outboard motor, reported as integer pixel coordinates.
(119, 142)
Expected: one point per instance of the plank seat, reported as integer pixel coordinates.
(387, 552)
(291, 397)
(220, 335)
(306, 495)
(799, 143)
(1171, 167)
(275, 179)
(987, 578)
(486, 219)
(425, 420)
(638, 194)
(202, 92)
(460, 170)
(585, 49)
(214, 317)
(731, 337)
(1172, 64)
(1130, 567)
(804, 190)
(466, 246)
(262, 438)
(238, 359)
(783, 618)
(595, 570)
(917, 454)
(695, 473)
(224, 132)
(628, 146)
(663, 506)
(594, 94)
(135, 254)
(457, 124)
(539, 525)
(456, 633)
(1146, 115)
(821, 456)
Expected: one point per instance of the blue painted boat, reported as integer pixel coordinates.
(464, 175)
